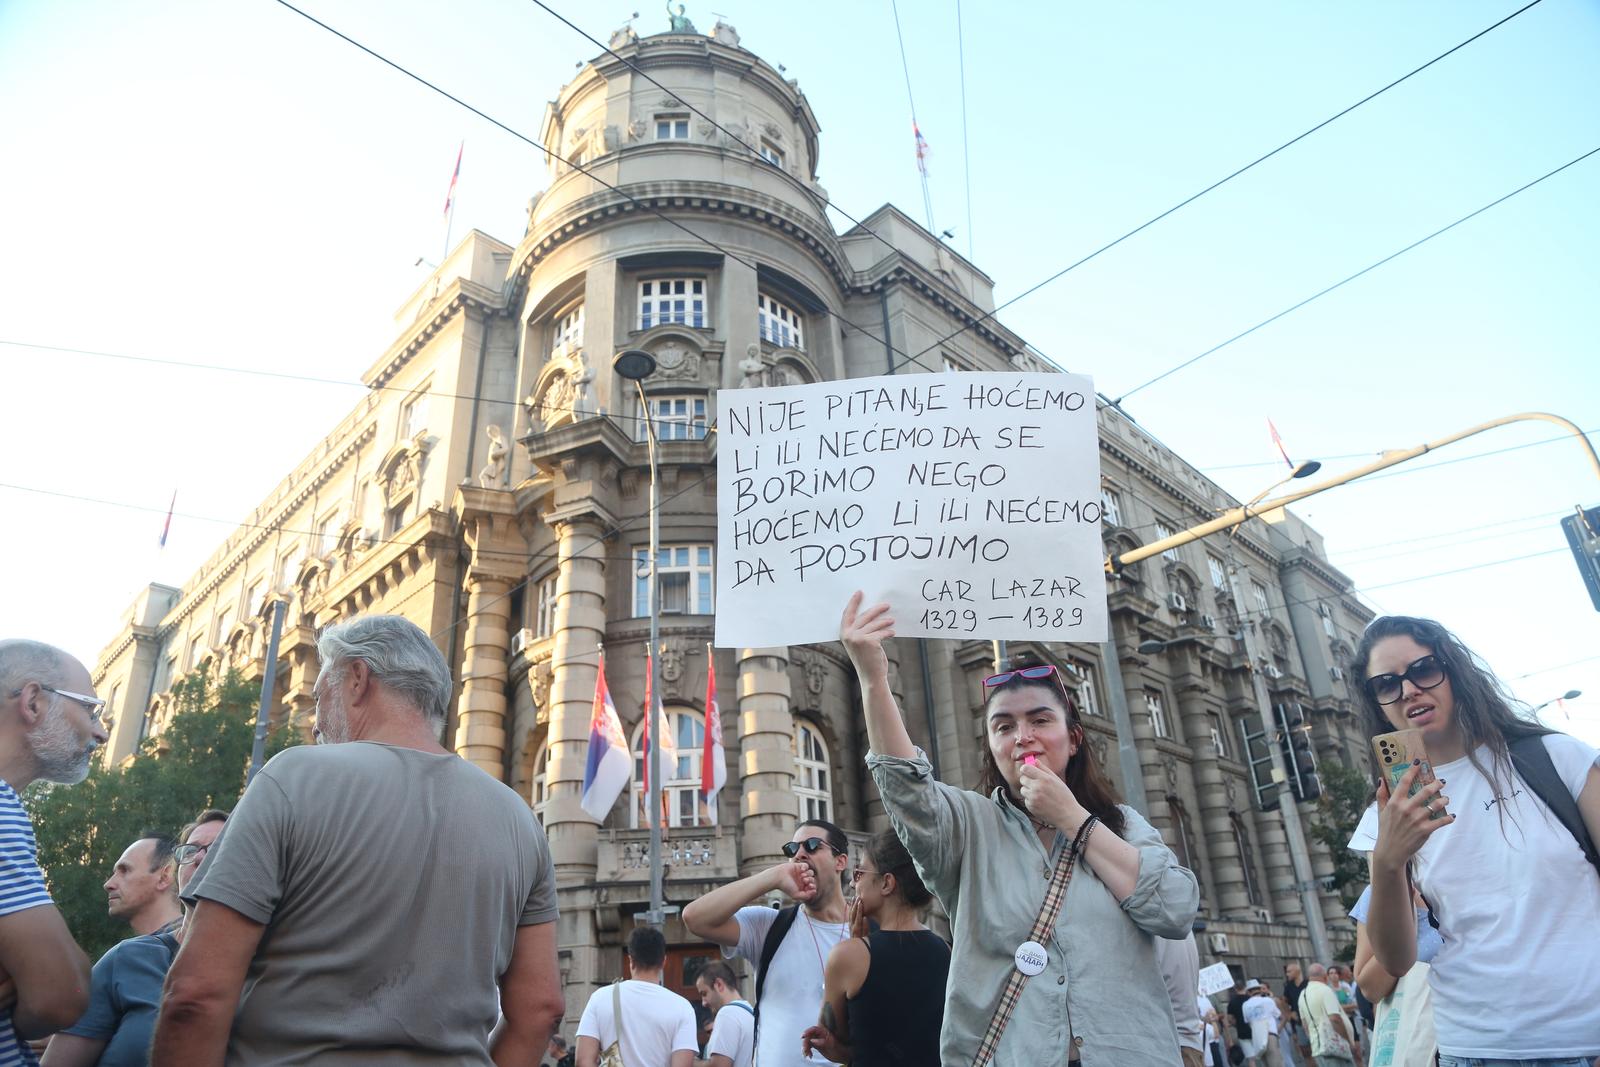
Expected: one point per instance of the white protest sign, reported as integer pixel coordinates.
(969, 502)
(1214, 979)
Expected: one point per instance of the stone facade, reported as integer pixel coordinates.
(522, 563)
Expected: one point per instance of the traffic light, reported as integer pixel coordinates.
(1583, 534)
(1294, 739)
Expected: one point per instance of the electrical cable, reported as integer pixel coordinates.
(966, 146)
(1117, 403)
(1218, 184)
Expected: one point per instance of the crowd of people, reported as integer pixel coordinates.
(375, 899)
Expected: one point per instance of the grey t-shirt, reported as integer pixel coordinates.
(124, 998)
(391, 883)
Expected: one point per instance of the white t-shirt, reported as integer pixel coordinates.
(733, 1034)
(656, 1022)
(1203, 1007)
(1521, 902)
(1264, 1018)
(792, 996)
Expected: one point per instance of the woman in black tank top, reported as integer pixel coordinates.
(883, 1001)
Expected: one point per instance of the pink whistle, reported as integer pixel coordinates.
(1030, 759)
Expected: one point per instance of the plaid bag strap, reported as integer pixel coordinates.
(1053, 898)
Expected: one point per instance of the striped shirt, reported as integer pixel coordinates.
(21, 887)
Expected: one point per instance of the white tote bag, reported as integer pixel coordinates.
(1403, 1036)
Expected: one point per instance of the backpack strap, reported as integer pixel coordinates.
(769, 948)
(1534, 765)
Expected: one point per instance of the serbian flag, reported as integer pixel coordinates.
(610, 762)
(713, 764)
(669, 749)
(922, 148)
(1279, 442)
(166, 527)
(449, 197)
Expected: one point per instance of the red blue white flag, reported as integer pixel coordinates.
(610, 763)
(166, 527)
(713, 764)
(449, 197)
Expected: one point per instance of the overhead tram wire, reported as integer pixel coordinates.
(1117, 403)
(966, 146)
(1225, 180)
(589, 173)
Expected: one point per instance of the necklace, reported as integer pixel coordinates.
(821, 966)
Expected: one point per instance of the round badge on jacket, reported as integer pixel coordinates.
(1030, 958)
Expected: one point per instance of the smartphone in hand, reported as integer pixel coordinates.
(1396, 752)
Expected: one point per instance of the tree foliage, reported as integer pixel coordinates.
(1346, 792)
(203, 756)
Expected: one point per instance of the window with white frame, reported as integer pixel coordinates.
(1327, 620)
(1088, 700)
(672, 127)
(544, 618)
(414, 414)
(1158, 713)
(1219, 573)
(1259, 591)
(1111, 503)
(779, 323)
(226, 616)
(327, 535)
(1163, 531)
(197, 648)
(685, 575)
(771, 153)
(677, 417)
(566, 335)
(539, 788)
(1219, 736)
(289, 565)
(680, 777)
(172, 672)
(395, 519)
(255, 597)
(812, 773)
(679, 300)
(1247, 858)
(952, 364)
(1183, 837)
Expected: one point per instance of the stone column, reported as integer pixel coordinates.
(297, 647)
(580, 623)
(1280, 870)
(1144, 737)
(481, 724)
(1228, 896)
(766, 757)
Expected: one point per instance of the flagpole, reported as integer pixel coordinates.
(450, 203)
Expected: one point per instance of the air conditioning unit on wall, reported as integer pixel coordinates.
(1177, 603)
(1208, 622)
(1274, 673)
(1336, 673)
(520, 641)
(1219, 944)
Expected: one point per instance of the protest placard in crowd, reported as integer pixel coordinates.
(970, 502)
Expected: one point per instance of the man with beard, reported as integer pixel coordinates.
(49, 727)
(125, 986)
(788, 947)
(370, 895)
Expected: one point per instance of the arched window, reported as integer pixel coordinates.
(680, 777)
(1183, 838)
(1247, 858)
(813, 779)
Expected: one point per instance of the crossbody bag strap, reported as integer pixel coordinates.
(616, 1013)
(1055, 895)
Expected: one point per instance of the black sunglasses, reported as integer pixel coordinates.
(1425, 673)
(810, 844)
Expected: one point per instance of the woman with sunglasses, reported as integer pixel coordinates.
(883, 998)
(1509, 885)
(1094, 993)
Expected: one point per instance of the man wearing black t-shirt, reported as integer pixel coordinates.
(1293, 985)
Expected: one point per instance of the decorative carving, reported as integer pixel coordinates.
(622, 38)
(582, 397)
(612, 138)
(1100, 748)
(816, 675)
(636, 129)
(547, 408)
(772, 131)
(737, 133)
(1228, 783)
(672, 653)
(723, 33)
(539, 685)
(673, 360)
(671, 101)
(489, 476)
(786, 373)
(705, 129)
(1172, 777)
(753, 369)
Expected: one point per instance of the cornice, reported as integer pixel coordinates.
(1319, 568)
(907, 271)
(460, 295)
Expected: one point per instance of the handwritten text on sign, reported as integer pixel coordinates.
(970, 502)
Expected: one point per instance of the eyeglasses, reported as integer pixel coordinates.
(93, 705)
(1425, 673)
(187, 854)
(858, 874)
(810, 844)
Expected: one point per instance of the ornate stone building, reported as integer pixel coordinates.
(493, 488)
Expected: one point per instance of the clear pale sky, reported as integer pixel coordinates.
(229, 184)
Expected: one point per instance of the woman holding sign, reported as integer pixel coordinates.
(1055, 892)
(1498, 855)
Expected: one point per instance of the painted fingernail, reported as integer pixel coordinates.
(1416, 763)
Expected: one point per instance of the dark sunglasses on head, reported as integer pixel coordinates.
(810, 844)
(1425, 673)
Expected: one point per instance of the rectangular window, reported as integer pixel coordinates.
(111, 703)
(771, 153)
(225, 619)
(414, 414)
(544, 623)
(685, 576)
(779, 323)
(1158, 713)
(672, 127)
(1088, 700)
(1259, 591)
(255, 597)
(1219, 736)
(1111, 502)
(676, 418)
(567, 334)
(327, 535)
(1219, 573)
(197, 648)
(680, 300)
(1163, 531)
(172, 672)
(1327, 620)
(397, 517)
(952, 365)
(289, 566)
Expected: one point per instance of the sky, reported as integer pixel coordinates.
(228, 184)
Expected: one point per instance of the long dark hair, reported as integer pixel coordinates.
(889, 855)
(1484, 714)
(1084, 776)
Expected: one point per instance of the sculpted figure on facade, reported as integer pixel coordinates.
(623, 37)
(725, 34)
(672, 653)
(680, 21)
(582, 396)
(636, 129)
(753, 369)
(489, 476)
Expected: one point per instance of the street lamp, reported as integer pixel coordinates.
(635, 364)
(1570, 694)
(1152, 646)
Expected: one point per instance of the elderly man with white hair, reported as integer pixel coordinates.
(49, 727)
(369, 896)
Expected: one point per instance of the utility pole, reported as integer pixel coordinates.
(269, 678)
(1299, 857)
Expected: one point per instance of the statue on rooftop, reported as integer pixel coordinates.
(680, 21)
